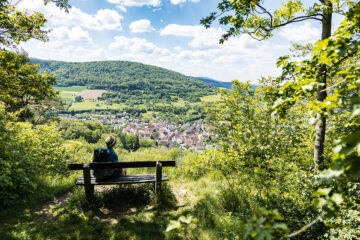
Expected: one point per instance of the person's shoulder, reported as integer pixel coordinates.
(111, 150)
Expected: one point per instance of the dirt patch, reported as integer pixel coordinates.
(43, 214)
(91, 94)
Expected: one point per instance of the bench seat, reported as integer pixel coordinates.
(128, 179)
(89, 182)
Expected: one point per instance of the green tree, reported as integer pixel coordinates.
(137, 143)
(18, 26)
(340, 55)
(130, 142)
(337, 59)
(123, 139)
(145, 143)
(79, 99)
(23, 89)
(252, 18)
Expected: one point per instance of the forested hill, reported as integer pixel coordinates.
(220, 84)
(118, 74)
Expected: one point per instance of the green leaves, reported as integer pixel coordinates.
(251, 17)
(19, 26)
(22, 87)
(265, 225)
(28, 152)
(182, 222)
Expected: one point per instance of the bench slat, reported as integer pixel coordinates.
(128, 179)
(80, 166)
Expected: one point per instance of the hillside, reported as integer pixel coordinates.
(126, 78)
(139, 89)
(215, 83)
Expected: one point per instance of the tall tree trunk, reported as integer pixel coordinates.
(321, 91)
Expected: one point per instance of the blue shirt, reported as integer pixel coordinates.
(113, 157)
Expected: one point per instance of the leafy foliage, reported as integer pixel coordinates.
(27, 153)
(19, 26)
(262, 160)
(23, 90)
(333, 69)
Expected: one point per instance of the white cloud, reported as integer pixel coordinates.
(65, 34)
(202, 38)
(136, 45)
(122, 4)
(57, 50)
(157, 9)
(175, 2)
(240, 58)
(104, 19)
(109, 19)
(304, 32)
(141, 26)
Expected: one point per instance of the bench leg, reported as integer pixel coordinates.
(158, 177)
(89, 189)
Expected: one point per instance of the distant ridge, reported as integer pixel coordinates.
(221, 84)
(215, 83)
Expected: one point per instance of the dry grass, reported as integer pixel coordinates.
(91, 94)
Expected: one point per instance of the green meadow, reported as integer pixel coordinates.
(211, 98)
(74, 89)
(68, 94)
(98, 105)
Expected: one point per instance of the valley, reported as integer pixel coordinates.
(143, 91)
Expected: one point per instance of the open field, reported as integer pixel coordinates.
(211, 98)
(91, 94)
(68, 93)
(67, 96)
(99, 105)
(73, 89)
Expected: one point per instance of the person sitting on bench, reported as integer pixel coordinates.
(105, 174)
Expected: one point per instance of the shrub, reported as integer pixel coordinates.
(28, 152)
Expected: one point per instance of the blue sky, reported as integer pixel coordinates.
(164, 33)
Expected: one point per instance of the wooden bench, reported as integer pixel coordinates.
(89, 182)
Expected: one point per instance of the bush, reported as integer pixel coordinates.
(28, 152)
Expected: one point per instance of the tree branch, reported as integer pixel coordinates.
(303, 229)
(267, 12)
(297, 19)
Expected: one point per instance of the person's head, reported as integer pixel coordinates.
(110, 141)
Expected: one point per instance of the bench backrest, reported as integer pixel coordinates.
(139, 164)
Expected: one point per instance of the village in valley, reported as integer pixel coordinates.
(188, 136)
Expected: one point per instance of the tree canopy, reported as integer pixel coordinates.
(17, 26)
(22, 88)
(253, 18)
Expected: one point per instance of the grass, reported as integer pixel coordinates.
(131, 212)
(93, 104)
(124, 212)
(67, 96)
(89, 105)
(74, 89)
(68, 93)
(211, 98)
